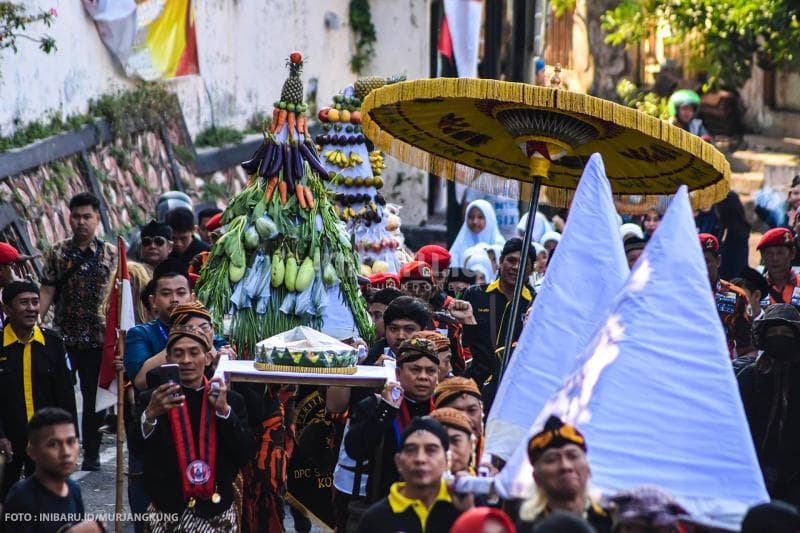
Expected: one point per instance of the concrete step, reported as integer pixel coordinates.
(746, 183)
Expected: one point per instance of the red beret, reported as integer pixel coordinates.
(776, 237)
(436, 256)
(214, 222)
(384, 280)
(416, 271)
(8, 254)
(708, 242)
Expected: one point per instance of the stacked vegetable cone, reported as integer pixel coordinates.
(355, 174)
(284, 251)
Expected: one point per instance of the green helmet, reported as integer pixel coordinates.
(683, 97)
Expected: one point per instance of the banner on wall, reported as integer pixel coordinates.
(151, 39)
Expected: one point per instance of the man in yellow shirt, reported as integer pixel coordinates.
(33, 375)
(423, 502)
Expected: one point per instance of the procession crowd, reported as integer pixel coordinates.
(394, 454)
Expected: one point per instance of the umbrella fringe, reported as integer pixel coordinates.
(545, 97)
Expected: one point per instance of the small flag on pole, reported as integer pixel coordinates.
(120, 318)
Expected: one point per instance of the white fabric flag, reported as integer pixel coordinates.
(464, 22)
(584, 277)
(127, 319)
(654, 392)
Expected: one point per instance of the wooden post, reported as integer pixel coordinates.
(120, 352)
(120, 486)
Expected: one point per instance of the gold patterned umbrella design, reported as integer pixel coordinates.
(472, 130)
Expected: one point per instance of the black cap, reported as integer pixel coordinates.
(15, 288)
(429, 424)
(755, 279)
(156, 229)
(774, 315)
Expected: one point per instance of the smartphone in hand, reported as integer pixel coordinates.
(169, 373)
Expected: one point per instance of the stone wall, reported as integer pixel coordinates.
(127, 173)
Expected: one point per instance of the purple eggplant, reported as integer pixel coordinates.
(316, 166)
(288, 168)
(275, 164)
(297, 161)
(252, 164)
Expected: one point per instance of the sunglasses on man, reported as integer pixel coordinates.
(157, 241)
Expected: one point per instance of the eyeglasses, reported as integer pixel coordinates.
(158, 241)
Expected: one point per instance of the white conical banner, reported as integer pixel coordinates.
(583, 278)
(654, 392)
(464, 22)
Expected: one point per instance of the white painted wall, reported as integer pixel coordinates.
(242, 46)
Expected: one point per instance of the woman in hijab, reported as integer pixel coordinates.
(478, 261)
(480, 226)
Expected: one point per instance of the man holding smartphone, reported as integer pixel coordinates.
(378, 421)
(195, 439)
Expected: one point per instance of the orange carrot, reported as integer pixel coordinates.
(292, 125)
(275, 115)
(302, 126)
(309, 197)
(283, 189)
(281, 120)
(273, 182)
(298, 189)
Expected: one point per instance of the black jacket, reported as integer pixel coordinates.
(776, 443)
(486, 337)
(51, 383)
(163, 482)
(372, 438)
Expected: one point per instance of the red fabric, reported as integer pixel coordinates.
(111, 338)
(416, 271)
(708, 242)
(188, 63)
(436, 256)
(384, 280)
(445, 45)
(476, 518)
(775, 237)
(214, 222)
(8, 254)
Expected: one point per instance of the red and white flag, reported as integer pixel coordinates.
(121, 317)
(463, 23)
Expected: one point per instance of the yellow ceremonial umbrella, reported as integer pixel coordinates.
(469, 129)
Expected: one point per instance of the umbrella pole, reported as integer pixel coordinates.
(523, 263)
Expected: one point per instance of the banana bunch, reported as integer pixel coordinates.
(348, 213)
(355, 159)
(337, 157)
(376, 161)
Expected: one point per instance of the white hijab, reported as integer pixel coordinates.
(467, 239)
(540, 226)
(478, 261)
